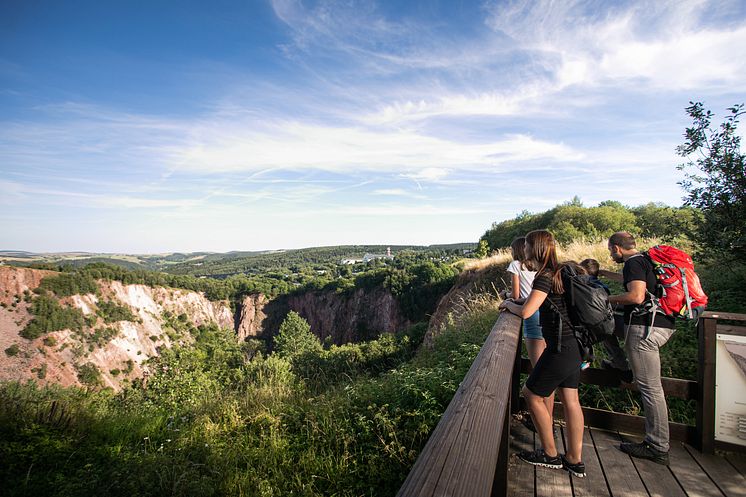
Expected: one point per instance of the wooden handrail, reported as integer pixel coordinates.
(726, 316)
(461, 456)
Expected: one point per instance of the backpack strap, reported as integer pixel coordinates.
(687, 297)
(561, 321)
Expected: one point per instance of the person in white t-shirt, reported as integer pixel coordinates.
(522, 279)
(522, 282)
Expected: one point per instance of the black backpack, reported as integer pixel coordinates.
(591, 314)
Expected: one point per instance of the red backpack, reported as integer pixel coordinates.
(679, 292)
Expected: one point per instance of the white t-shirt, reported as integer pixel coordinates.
(525, 278)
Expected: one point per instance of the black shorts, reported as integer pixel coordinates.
(556, 369)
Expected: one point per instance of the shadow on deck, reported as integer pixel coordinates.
(612, 473)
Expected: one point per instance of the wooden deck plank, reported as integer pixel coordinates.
(619, 470)
(729, 481)
(690, 475)
(553, 482)
(521, 476)
(738, 461)
(594, 484)
(658, 479)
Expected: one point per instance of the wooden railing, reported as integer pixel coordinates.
(467, 453)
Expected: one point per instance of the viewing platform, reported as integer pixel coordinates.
(611, 473)
(471, 452)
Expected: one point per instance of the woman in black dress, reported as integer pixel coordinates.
(558, 368)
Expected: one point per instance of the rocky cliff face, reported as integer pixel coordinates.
(482, 278)
(343, 318)
(250, 317)
(57, 357)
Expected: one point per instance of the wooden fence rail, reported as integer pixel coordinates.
(466, 455)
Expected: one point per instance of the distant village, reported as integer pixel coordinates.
(368, 257)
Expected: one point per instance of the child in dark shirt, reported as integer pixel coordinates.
(592, 267)
(617, 358)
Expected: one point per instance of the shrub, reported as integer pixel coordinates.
(111, 312)
(12, 350)
(49, 315)
(41, 371)
(89, 374)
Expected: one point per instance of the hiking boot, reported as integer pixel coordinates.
(539, 458)
(529, 423)
(574, 469)
(643, 450)
(624, 374)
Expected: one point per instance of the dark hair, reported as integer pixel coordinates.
(542, 255)
(591, 265)
(543, 258)
(518, 249)
(623, 239)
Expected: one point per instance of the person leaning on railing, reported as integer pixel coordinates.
(558, 368)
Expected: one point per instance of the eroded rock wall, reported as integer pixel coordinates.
(55, 357)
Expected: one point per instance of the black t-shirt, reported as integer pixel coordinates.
(639, 268)
(548, 317)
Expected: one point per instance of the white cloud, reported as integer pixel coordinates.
(298, 146)
(661, 44)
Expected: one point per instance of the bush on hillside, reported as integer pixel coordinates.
(572, 221)
(67, 284)
(111, 312)
(49, 315)
(89, 374)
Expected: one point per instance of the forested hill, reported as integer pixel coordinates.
(573, 221)
(213, 264)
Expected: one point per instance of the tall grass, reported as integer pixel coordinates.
(209, 426)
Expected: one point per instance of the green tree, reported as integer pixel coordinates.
(715, 181)
(295, 337)
(483, 249)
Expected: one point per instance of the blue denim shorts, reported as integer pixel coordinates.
(532, 328)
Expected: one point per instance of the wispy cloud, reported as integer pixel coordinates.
(448, 112)
(662, 44)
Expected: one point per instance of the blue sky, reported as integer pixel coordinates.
(142, 127)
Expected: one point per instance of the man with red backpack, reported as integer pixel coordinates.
(647, 329)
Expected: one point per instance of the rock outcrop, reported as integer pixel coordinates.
(56, 357)
(484, 277)
(250, 317)
(340, 317)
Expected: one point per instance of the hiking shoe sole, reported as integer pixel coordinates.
(539, 458)
(577, 470)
